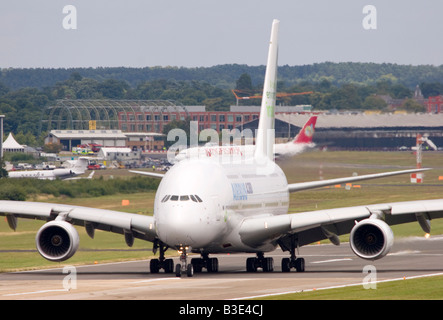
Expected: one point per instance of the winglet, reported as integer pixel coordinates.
(264, 143)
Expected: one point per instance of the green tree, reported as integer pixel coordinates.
(374, 103)
(431, 89)
(411, 105)
(244, 82)
(113, 89)
(346, 98)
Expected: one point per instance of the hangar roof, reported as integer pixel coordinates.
(366, 121)
(88, 134)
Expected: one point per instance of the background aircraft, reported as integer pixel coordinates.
(301, 142)
(238, 205)
(75, 169)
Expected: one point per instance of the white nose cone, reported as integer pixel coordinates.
(182, 226)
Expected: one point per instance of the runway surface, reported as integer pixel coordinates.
(326, 266)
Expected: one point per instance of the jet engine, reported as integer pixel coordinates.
(57, 240)
(371, 239)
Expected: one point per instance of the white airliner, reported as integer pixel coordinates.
(301, 142)
(77, 168)
(208, 207)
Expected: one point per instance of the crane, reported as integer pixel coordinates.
(279, 95)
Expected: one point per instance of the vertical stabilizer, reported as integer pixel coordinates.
(81, 165)
(264, 142)
(307, 132)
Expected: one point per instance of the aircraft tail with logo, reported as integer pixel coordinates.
(301, 142)
(307, 132)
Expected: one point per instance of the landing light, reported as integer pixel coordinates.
(427, 235)
(181, 249)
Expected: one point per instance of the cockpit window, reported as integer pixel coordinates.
(185, 197)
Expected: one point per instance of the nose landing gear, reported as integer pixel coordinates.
(183, 267)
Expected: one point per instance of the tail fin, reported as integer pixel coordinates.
(307, 132)
(264, 143)
(80, 165)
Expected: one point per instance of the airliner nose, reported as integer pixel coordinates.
(178, 230)
(184, 225)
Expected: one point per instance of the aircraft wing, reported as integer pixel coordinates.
(294, 187)
(314, 226)
(140, 226)
(148, 173)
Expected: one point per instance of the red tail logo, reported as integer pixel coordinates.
(307, 132)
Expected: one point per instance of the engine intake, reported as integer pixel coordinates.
(371, 239)
(57, 240)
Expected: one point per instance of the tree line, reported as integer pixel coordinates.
(25, 93)
(225, 76)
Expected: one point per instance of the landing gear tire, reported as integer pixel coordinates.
(285, 265)
(298, 264)
(267, 264)
(293, 262)
(184, 267)
(211, 264)
(190, 270)
(178, 270)
(251, 265)
(155, 265)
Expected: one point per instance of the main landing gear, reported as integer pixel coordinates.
(267, 264)
(183, 267)
(161, 263)
(293, 261)
(211, 264)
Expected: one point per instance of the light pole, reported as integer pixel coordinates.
(1, 136)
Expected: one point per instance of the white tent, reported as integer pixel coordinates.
(10, 145)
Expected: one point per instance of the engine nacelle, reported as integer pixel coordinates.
(371, 239)
(57, 240)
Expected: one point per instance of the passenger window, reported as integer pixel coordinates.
(184, 198)
(193, 198)
(198, 198)
(174, 198)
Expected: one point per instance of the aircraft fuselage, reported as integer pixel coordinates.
(201, 204)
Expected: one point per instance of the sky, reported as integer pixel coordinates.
(204, 33)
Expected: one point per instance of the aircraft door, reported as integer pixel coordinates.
(217, 208)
